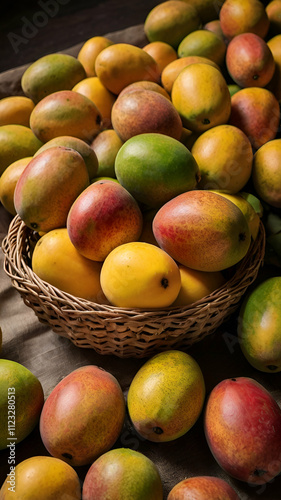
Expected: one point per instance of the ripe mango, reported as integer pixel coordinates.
(83, 415)
(57, 261)
(155, 168)
(259, 328)
(145, 111)
(48, 186)
(202, 230)
(166, 396)
(15, 109)
(225, 157)
(42, 478)
(203, 43)
(266, 174)
(104, 216)
(203, 488)
(170, 22)
(197, 284)
(106, 146)
(122, 63)
(21, 402)
(139, 274)
(8, 182)
(201, 96)
(124, 474)
(243, 429)
(65, 113)
(85, 150)
(92, 88)
(250, 214)
(51, 73)
(88, 53)
(16, 142)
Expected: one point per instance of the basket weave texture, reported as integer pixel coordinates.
(124, 332)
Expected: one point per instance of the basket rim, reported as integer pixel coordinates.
(21, 274)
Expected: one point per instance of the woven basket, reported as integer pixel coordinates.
(124, 332)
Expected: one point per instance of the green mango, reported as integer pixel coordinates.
(21, 402)
(155, 168)
(51, 73)
(259, 329)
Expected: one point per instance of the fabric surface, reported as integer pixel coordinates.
(51, 357)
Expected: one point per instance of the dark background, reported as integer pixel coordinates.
(71, 22)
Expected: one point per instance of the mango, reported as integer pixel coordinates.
(275, 83)
(106, 146)
(166, 396)
(48, 186)
(215, 27)
(203, 487)
(145, 111)
(208, 10)
(233, 88)
(170, 22)
(202, 230)
(16, 142)
(8, 182)
(51, 73)
(256, 112)
(240, 16)
(15, 109)
(155, 168)
(266, 172)
(201, 96)
(250, 214)
(90, 49)
(104, 216)
(259, 329)
(145, 85)
(273, 11)
(224, 156)
(203, 43)
(103, 99)
(85, 150)
(173, 69)
(249, 61)
(246, 444)
(163, 53)
(195, 285)
(124, 474)
(65, 113)
(21, 402)
(89, 404)
(139, 274)
(122, 63)
(57, 261)
(41, 478)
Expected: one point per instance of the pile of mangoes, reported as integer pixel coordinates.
(145, 172)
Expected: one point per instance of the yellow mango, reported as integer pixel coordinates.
(15, 110)
(56, 260)
(122, 63)
(139, 274)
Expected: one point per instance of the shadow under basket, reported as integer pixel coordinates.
(124, 332)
